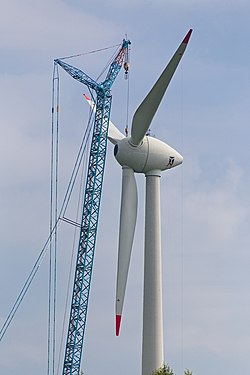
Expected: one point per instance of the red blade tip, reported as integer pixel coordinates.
(86, 97)
(118, 323)
(187, 37)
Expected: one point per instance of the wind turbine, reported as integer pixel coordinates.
(141, 153)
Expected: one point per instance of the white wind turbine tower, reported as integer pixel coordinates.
(143, 154)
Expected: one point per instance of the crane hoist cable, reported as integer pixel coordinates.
(127, 77)
(51, 345)
(89, 52)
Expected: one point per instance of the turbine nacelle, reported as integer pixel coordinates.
(151, 154)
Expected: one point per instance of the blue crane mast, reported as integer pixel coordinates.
(91, 206)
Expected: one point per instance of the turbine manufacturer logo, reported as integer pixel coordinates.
(170, 161)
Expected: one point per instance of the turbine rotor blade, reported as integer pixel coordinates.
(128, 215)
(114, 134)
(147, 109)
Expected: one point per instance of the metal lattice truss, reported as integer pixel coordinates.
(87, 242)
(91, 208)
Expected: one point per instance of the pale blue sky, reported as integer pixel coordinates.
(205, 202)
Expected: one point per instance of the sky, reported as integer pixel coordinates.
(205, 202)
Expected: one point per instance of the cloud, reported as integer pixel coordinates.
(218, 210)
(204, 203)
(45, 27)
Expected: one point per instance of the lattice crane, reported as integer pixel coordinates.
(91, 206)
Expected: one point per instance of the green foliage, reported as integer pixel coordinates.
(166, 370)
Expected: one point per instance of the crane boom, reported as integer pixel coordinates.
(79, 75)
(91, 207)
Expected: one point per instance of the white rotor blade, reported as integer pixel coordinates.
(147, 109)
(128, 215)
(114, 135)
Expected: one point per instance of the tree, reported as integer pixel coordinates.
(166, 370)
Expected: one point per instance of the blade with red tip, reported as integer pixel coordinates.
(128, 215)
(147, 109)
(114, 134)
(117, 324)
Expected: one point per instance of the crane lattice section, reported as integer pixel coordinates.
(91, 208)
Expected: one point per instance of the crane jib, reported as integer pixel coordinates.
(91, 208)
